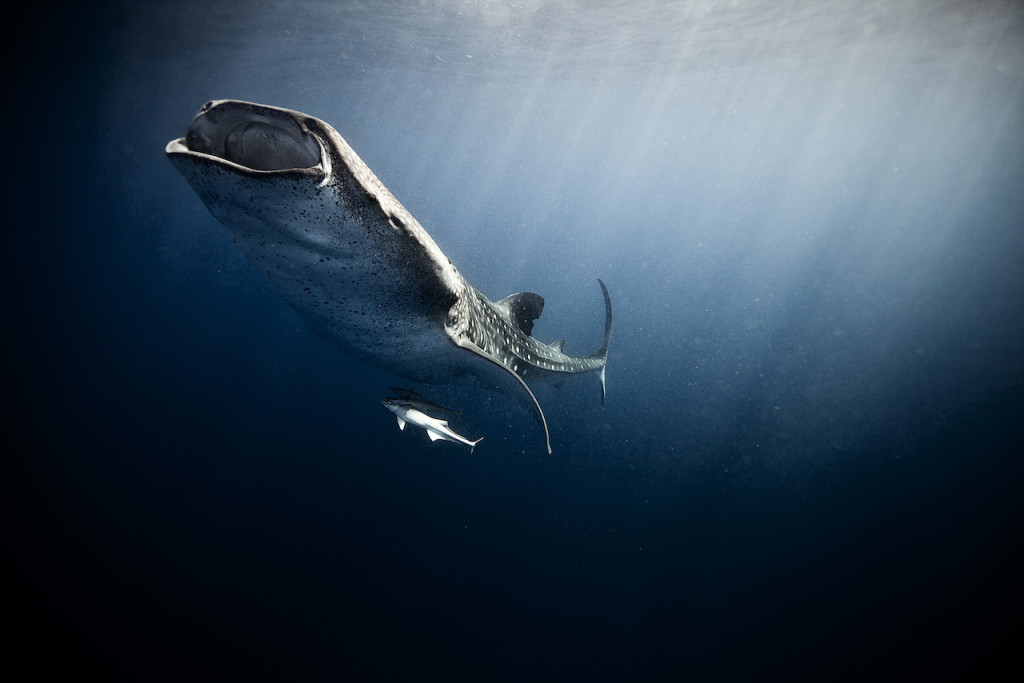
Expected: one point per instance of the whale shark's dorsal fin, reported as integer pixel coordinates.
(558, 345)
(522, 309)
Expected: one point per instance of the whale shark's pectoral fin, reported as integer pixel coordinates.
(470, 346)
(401, 423)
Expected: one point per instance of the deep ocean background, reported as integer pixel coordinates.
(810, 216)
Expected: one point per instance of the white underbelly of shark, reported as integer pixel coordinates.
(354, 263)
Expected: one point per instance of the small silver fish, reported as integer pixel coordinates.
(406, 411)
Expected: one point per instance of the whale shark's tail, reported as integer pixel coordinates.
(602, 352)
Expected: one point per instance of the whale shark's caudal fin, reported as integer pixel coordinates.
(603, 351)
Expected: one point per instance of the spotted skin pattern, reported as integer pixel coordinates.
(354, 263)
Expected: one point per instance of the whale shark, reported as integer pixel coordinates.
(355, 265)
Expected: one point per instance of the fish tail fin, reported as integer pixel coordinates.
(602, 352)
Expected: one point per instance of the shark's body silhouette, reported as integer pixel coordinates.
(354, 263)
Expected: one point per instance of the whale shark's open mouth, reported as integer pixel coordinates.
(254, 137)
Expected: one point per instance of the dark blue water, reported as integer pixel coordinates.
(810, 219)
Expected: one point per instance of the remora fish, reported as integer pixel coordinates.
(354, 263)
(416, 400)
(407, 412)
